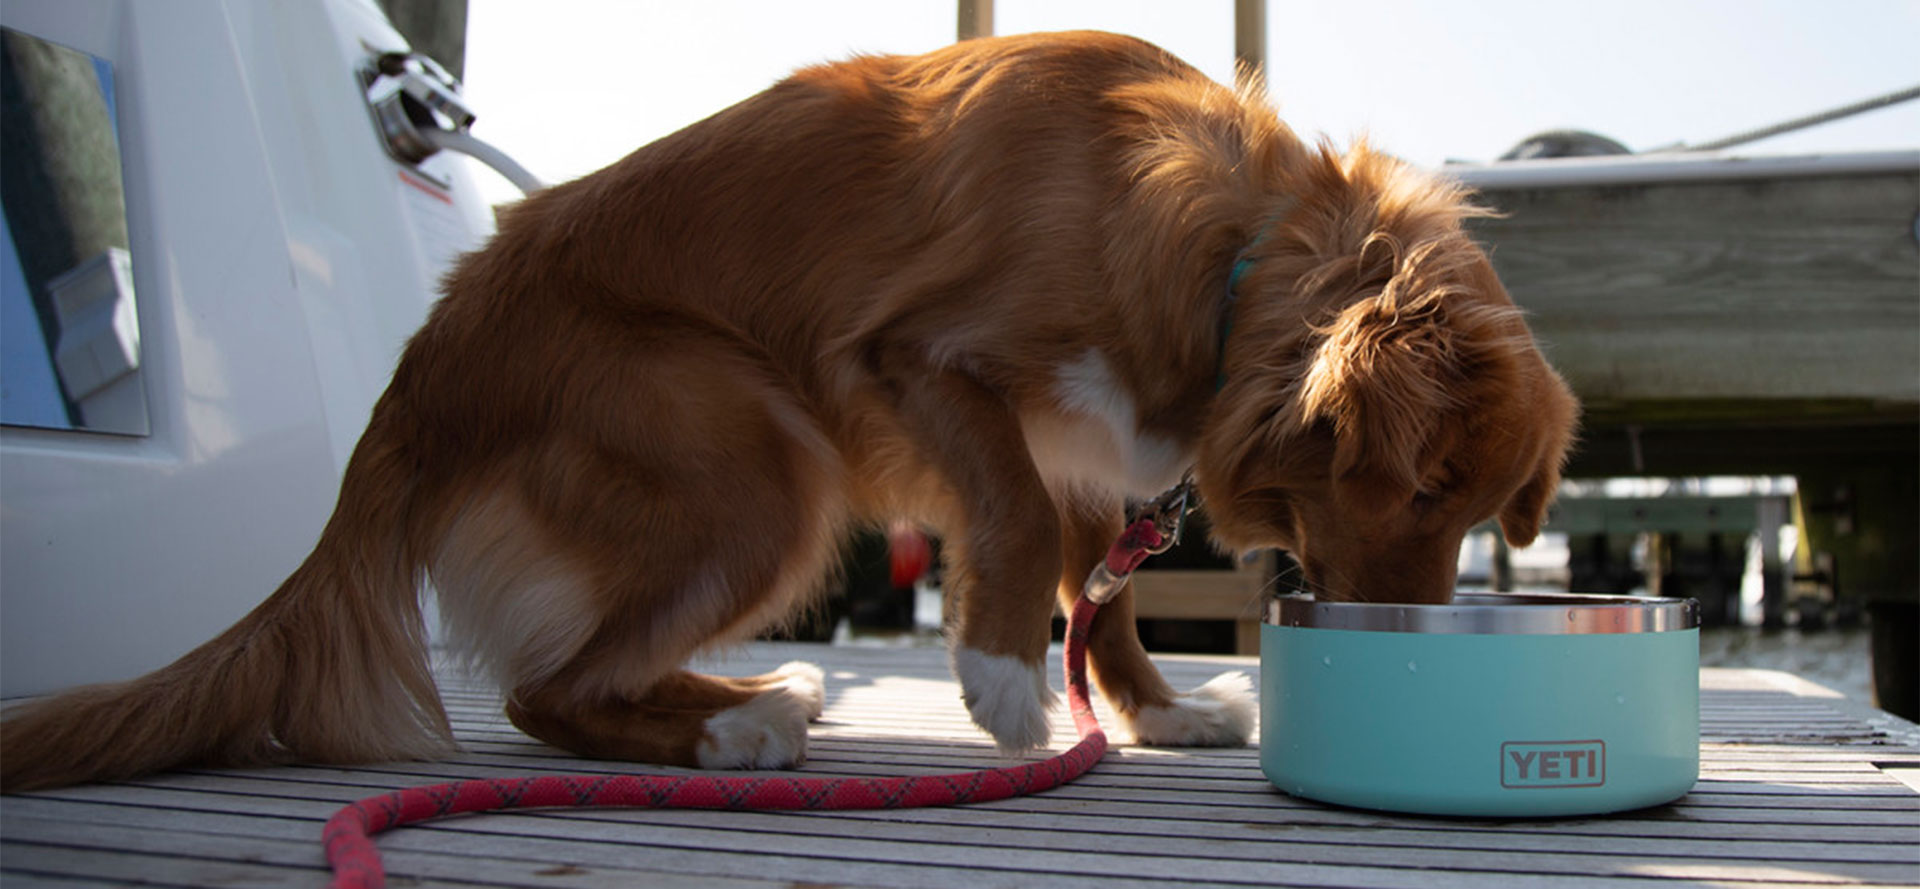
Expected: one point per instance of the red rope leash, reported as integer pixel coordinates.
(348, 835)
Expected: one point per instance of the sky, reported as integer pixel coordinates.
(568, 86)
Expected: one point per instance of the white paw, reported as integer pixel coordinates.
(1006, 696)
(1217, 714)
(806, 682)
(768, 732)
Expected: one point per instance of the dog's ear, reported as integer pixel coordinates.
(1556, 412)
(1526, 510)
(1383, 378)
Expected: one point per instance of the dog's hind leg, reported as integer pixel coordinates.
(686, 500)
(683, 718)
(799, 678)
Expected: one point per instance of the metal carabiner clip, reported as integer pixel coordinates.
(1168, 513)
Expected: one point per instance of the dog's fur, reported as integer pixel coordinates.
(982, 289)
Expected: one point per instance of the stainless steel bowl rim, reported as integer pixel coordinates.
(1479, 613)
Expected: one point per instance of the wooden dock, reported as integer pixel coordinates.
(1798, 786)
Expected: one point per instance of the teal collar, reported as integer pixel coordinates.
(1240, 265)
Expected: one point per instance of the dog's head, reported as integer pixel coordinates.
(1383, 393)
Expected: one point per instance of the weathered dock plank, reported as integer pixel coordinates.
(1794, 792)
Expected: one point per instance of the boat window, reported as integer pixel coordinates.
(70, 327)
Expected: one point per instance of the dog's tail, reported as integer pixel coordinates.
(333, 667)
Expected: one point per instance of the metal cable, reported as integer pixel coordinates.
(1801, 123)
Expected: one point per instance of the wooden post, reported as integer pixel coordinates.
(1659, 562)
(976, 19)
(1501, 570)
(1774, 572)
(1249, 41)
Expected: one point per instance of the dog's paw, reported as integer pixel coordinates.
(1007, 697)
(805, 681)
(768, 732)
(1217, 714)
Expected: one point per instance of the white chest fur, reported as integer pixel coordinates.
(1094, 437)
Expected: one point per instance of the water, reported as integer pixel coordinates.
(1836, 658)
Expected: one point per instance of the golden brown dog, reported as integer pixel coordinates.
(986, 289)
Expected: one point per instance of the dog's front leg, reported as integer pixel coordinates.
(1002, 547)
(1121, 668)
(1220, 713)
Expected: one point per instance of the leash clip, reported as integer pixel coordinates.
(1168, 513)
(1153, 527)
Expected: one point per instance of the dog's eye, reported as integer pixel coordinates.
(1434, 489)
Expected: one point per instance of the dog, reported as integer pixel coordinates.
(995, 290)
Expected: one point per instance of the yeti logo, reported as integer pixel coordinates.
(1533, 764)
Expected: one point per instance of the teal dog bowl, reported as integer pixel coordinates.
(1495, 705)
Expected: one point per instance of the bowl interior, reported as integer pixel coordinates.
(1493, 613)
